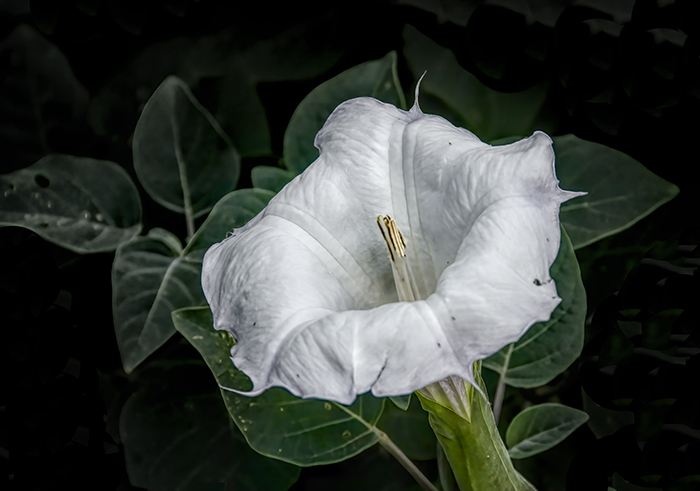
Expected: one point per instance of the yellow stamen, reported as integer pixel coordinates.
(403, 277)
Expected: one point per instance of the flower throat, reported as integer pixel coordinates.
(452, 392)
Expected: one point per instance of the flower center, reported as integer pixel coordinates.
(403, 276)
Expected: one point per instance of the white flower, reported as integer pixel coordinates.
(307, 287)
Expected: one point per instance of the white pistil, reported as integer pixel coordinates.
(403, 276)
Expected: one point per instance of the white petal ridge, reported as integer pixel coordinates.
(306, 287)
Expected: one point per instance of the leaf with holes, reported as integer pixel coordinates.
(539, 428)
(548, 348)
(181, 156)
(82, 204)
(177, 436)
(154, 275)
(378, 79)
(621, 191)
(299, 431)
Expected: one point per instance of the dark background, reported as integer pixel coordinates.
(620, 85)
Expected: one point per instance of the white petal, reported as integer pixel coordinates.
(306, 287)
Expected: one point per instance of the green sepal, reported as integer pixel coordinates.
(475, 451)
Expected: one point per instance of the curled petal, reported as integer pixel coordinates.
(307, 287)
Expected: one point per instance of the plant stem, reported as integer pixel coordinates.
(501, 387)
(394, 450)
(189, 219)
(498, 398)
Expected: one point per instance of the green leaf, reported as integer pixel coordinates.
(272, 178)
(150, 279)
(181, 156)
(409, 429)
(177, 436)
(239, 110)
(539, 428)
(474, 449)
(115, 108)
(378, 79)
(82, 204)
(606, 263)
(287, 56)
(300, 431)
(548, 348)
(154, 275)
(621, 191)
(455, 94)
(42, 103)
(401, 402)
(232, 211)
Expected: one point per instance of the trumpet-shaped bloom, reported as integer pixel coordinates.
(307, 286)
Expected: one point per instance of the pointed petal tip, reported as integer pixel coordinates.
(539, 134)
(252, 393)
(416, 106)
(568, 195)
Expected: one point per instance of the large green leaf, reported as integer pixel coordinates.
(154, 275)
(177, 436)
(232, 211)
(272, 178)
(548, 348)
(115, 108)
(378, 79)
(42, 103)
(227, 71)
(621, 191)
(539, 428)
(474, 449)
(450, 91)
(287, 56)
(181, 156)
(277, 424)
(82, 204)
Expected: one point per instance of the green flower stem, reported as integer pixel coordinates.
(474, 449)
(395, 451)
